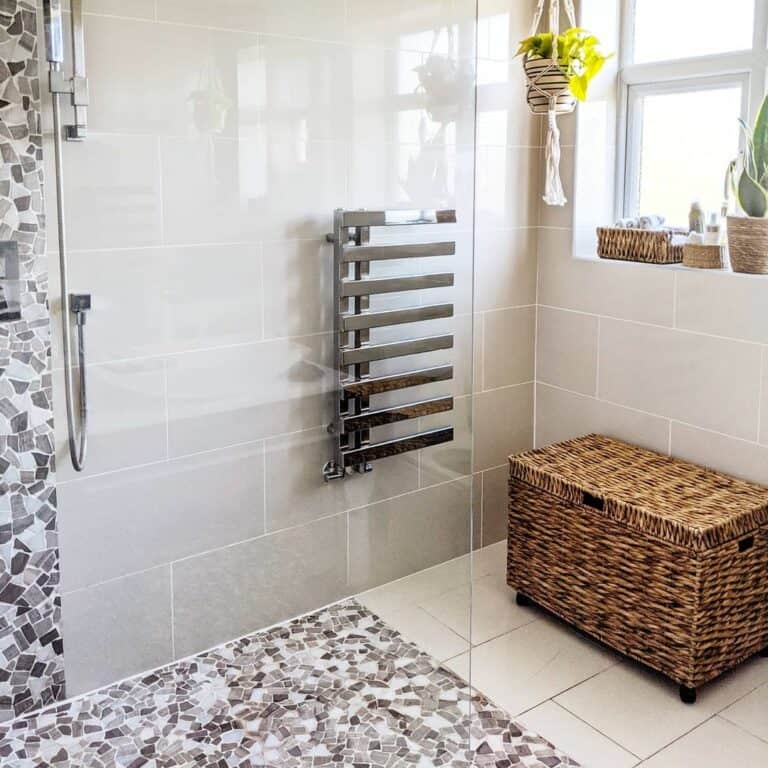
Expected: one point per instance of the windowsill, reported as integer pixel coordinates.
(593, 257)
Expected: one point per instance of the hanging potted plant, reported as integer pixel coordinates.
(567, 76)
(748, 234)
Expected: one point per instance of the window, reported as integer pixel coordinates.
(689, 70)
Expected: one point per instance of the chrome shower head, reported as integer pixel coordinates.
(54, 31)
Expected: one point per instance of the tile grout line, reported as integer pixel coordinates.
(173, 614)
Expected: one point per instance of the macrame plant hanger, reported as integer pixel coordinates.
(549, 93)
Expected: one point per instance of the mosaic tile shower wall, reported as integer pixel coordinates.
(31, 666)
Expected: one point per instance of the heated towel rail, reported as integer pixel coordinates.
(353, 448)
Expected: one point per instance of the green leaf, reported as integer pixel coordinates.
(760, 141)
(753, 198)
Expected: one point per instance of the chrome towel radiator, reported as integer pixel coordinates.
(354, 319)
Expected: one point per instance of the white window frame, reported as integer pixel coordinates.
(747, 69)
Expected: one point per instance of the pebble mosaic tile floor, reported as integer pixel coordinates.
(337, 687)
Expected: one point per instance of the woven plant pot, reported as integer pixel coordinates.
(547, 79)
(748, 244)
(703, 256)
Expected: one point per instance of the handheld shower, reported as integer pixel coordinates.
(75, 305)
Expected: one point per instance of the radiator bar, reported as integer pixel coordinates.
(395, 349)
(396, 414)
(369, 287)
(399, 445)
(387, 252)
(397, 218)
(395, 317)
(369, 387)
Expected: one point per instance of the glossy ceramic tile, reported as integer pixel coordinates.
(680, 375)
(566, 350)
(749, 713)
(99, 538)
(714, 743)
(117, 629)
(453, 460)
(503, 201)
(495, 505)
(508, 347)
(265, 580)
(503, 424)
(587, 745)
(126, 428)
(562, 415)
(143, 9)
(505, 268)
(524, 668)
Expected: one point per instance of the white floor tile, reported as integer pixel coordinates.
(524, 668)
(494, 610)
(635, 708)
(715, 743)
(418, 627)
(751, 713)
(577, 739)
(490, 560)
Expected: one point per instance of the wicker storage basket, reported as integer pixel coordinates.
(546, 79)
(748, 244)
(660, 559)
(703, 256)
(644, 245)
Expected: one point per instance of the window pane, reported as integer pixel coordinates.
(687, 141)
(679, 29)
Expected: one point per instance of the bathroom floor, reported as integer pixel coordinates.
(335, 687)
(604, 711)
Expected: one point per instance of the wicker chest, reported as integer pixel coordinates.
(660, 559)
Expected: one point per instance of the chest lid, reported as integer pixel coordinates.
(666, 498)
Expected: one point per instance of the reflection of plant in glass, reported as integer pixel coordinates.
(578, 53)
(749, 176)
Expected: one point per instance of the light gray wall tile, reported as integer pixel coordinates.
(723, 304)
(235, 395)
(700, 380)
(566, 354)
(453, 460)
(400, 536)
(562, 415)
(117, 629)
(617, 289)
(126, 424)
(495, 504)
(725, 454)
(123, 522)
(295, 493)
(503, 201)
(505, 268)
(508, 347)
(503, 424)
(230, 592)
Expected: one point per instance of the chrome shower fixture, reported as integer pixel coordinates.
(72, 305)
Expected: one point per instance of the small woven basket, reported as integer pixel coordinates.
(748, 244)
(643, 245)
(545, 80)
(703, 256)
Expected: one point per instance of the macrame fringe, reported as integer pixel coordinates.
(554, 194)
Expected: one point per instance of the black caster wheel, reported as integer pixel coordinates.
(764, 653)
(523, 600)
(687, 695)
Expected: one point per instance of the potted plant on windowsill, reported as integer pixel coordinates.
(567, 78)
(748, 234)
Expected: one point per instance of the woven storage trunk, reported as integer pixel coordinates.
(660, 559)
(650, 246)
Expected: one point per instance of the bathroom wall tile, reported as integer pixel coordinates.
(501, 24)
(495, 504)
(503, 200)
(509, 339)
(723, 304)
(400, 536)
(229, 592)
(117, 629)
(503, 424)
(725, 454)
(701, 380)
(442, 27)
(298, 288)
(139, 9)
(239, 394)
(295, 493)
(126, 417)
(617, 289)
(505, 268)
(189, 506)
(562, 415)
(112, 186)
(453, 460)
(223, 190)
(318, 19)
(566, 354)
(150, 301)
